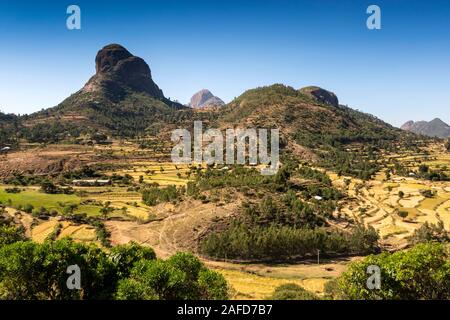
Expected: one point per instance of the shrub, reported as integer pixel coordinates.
(292, 291)
(181, 277)
(28, 208)
(154, 195)
(10, 234)
(13, 190)
(430, 232)
(422, 272)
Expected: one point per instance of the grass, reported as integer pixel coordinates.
(251, 286)
(39, 199)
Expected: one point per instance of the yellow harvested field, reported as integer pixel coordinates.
(411, 202)
(432, 203)
(43, 230)
(258, 281)
(382, 202)
(82, 233)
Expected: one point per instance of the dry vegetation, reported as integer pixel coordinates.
(394, 205)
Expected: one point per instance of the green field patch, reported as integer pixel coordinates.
(432, 203)
(37, 199)
(51, 202)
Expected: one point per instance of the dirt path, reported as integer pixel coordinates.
(178, 231)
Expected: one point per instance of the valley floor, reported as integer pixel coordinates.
(169, 228)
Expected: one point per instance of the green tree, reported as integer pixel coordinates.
(10, 234)
(49, 187)
(39, 271)
(430, 232)
(422, 272)
(70, 208)
(106, 209)
(180, 277)
(125, 256)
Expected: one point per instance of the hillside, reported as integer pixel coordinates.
(297, 113)
(8, 125)
(313, 126)
(433, 128)
(121, 99)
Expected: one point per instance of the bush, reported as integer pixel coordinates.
(430, 232)
(154, 195)
(292, 291)
(13, 190)
(181, 277)
(427, 193)
(422, 272)
(28, 208)
(49, 187)
(10, 234)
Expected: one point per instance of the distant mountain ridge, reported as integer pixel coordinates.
(122, 100)
(433, 128)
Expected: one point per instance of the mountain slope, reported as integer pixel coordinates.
(8, 129)
(121, 99)
(338, 137)
(434, 128)
(294, 112)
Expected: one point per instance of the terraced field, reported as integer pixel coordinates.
(393, 205)
(257, 281)
(378, 203)
(162, 173)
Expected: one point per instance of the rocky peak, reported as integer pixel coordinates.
(109, 56)
(434, 128)
(117, 71)
(204, 99)
(321, 95)
(407, 125)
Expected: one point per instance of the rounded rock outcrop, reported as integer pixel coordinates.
(118, 70)
(321, 95)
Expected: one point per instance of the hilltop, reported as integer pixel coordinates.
(205, 99)
(121, 99)
(314, 127)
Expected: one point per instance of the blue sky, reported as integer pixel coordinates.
(398, 73)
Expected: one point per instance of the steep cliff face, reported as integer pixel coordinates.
(117, 71)
(321, 95)
(120, 99)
